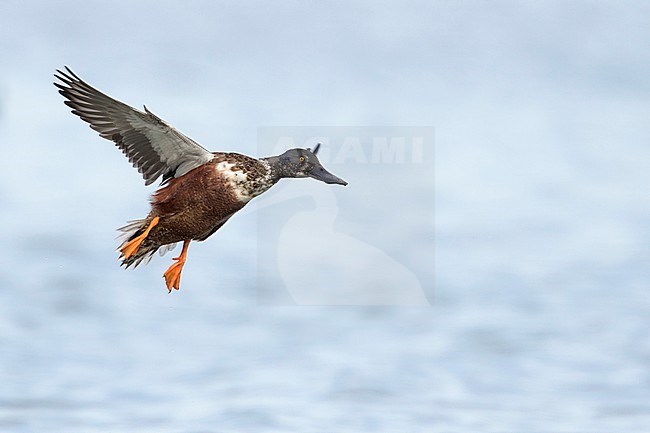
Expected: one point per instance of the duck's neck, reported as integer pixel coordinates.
(276, 171)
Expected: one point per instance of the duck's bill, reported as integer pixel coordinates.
(319, 173)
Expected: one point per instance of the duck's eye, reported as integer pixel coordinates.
(302, 159)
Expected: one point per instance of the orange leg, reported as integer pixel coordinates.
(131, 247)
(173, 273)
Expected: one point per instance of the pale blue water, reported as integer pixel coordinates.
(529, 239)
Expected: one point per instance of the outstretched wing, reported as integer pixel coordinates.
(153, 146)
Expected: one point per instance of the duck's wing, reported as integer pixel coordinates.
(153, 146)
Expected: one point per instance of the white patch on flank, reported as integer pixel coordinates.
(236, 178)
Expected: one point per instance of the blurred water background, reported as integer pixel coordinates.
(536, 300)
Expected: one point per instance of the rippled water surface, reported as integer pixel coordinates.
(521, 238)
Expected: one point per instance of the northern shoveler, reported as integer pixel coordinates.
(200, 190)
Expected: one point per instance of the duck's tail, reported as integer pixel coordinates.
(136, 245)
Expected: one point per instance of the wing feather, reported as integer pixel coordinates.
(153, 146)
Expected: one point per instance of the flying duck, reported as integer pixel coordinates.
(200, 190)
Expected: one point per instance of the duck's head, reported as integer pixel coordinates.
(303, 163)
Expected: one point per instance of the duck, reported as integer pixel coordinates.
(199, 190)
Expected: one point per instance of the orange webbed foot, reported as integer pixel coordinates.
(173, 274)
(131, 247)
